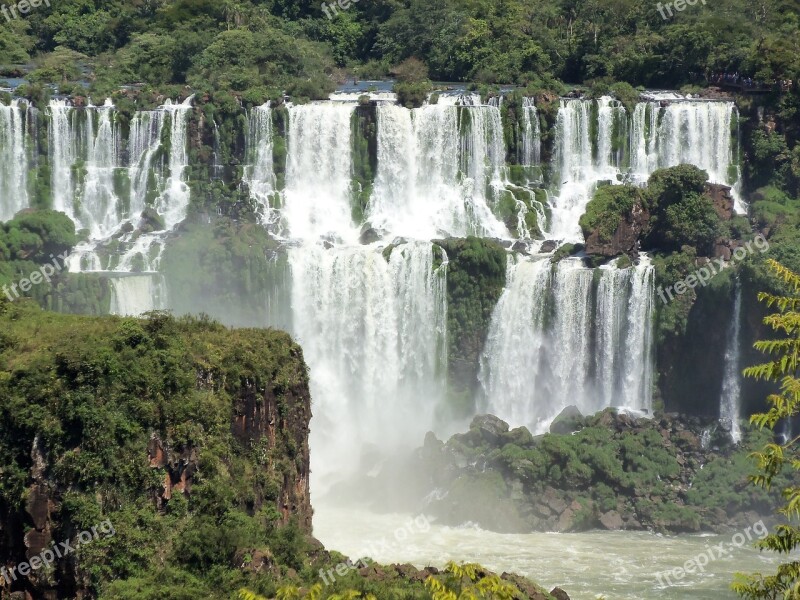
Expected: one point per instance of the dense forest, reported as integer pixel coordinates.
(263, 47)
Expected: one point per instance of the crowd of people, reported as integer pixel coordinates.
(748, 83)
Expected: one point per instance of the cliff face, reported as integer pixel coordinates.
(170, 431)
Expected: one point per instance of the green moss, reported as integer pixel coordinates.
(607, 209)
(475, 280)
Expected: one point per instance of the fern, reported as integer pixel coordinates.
(774, 458)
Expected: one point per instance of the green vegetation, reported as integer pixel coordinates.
(608, 207)
(83, 402)
(476, 275)
(637, 470)
(681, 213)
(775, 459)
(226, 270)
(257, 48)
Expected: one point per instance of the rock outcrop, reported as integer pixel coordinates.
(625, 240)
(611, 471)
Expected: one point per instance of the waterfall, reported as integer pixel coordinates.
(637, 370)
(13, 160)
(577, 166)
(63, 154)
(373, 333)
(99, 209)
(91, 139)
(137, 294)
(513, 356)
(531, 134)
(143, 144)
(561, 335)
(259, 172)
(731, 383)
(318, 172)
(174, 201)
(690, 132)
(432, 179)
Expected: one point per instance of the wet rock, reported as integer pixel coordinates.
(559, 594)
(611, 520)
(570, 419)
(722, 200)
(549, 246)
(490, 427)
(625, 239)
(369, 236)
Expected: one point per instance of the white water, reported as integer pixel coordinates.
(259, 173)
(100, 209)
(531, 134)
(13, 160)
(577, 167)
(174, 201)
(549, 346)
(90, 136)
(373, 332)
(730, 398)
(318, 172)
(63, 154)
(615, 565)
(137, 294)
(431, 180)
(696, 133)
(143, 144)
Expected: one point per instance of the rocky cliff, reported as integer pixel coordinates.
(180, 433)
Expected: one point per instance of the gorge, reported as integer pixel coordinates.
(430, 261)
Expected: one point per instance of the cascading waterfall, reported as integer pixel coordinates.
(432, 179)
(174, 201)
(137, 294)
(531, 134)
(557, 338)
(577, 165)
(511, 362)
(13, 160)
(63, 154)
(373, 332)
(691, 132)
(100, 207)
(318, 172)
(97, 143)
(730, 397)
(259, 174)
(143, 144)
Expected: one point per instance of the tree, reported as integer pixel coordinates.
(784, 354)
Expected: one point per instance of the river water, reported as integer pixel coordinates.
(614, 565)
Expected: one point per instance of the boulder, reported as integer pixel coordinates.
(722, 200)
(570, 419)
(490, 427)
(611, 520)
(369, 236)
(151, 221)
(625, 239)
(549, 246)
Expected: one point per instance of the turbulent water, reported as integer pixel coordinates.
(614, 565)
(373, 332)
